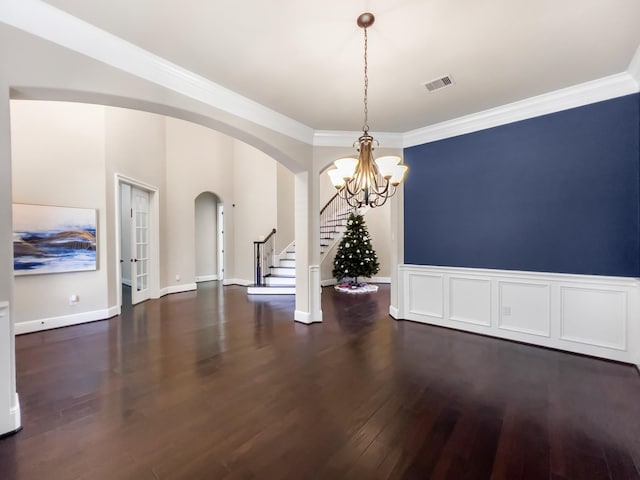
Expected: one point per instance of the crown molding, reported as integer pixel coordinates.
(576, 96)
(338, 138)
(49, 23)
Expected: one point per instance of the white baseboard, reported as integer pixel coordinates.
(16, 417)
(206, 278)
(305, 317)
(332, 281)
(237, 281)
(586, 314)
(65, 320)
(393, 311)
(187, 287)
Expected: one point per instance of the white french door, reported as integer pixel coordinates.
(139, 245)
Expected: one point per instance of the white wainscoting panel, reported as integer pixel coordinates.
(594, 317)
(470, 300)
(588, 314)
(425, 295)
(525, 308)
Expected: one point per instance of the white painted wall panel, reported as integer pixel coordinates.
(525, 308)
(470, 300)
(594, 317)
(426, 295)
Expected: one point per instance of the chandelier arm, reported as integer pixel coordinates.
(352, 193)
(382, 192)
(358, 203)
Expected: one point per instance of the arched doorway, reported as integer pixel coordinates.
(209, 237)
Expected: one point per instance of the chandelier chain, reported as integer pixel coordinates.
(365, 127)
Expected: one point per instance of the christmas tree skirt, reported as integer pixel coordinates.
(349, 287)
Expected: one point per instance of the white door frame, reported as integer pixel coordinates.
(154, 236)
(220, 240)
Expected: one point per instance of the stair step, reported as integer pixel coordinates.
(277, 280)
(270, 290)
(283, 271)
(287, 262)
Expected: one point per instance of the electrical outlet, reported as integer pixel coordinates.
(74, 299)
(506, 311)
(178, 278)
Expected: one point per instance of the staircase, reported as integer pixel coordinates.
(279, 276)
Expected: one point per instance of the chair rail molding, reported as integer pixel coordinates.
(585, 314)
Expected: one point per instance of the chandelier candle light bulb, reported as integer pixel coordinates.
(365, 181)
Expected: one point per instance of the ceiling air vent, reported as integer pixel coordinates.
(439, 83)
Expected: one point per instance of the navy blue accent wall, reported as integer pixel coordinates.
(557, 193)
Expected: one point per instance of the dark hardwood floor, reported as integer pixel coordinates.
(215, 385)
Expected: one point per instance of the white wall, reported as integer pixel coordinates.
(285, 201)
(134, 148)
(198, 160)
(206, 236)
(255, 204)
(58, 153)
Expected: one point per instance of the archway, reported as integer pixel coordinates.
(209, 237)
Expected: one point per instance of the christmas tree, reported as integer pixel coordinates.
(355, 256)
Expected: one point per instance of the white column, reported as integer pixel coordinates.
(397, 251)
(307, 234)
(9, 405)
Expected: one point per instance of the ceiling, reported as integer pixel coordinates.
(304, 59)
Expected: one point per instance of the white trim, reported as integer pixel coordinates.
(576, 96)
(187, 287)
(206, 278)
(45, 21)
(634, 67)
(65, 320)
(587, 314)
(304, 317)
(154, 234)
(394, 312)
(337, 138)
(15, 414)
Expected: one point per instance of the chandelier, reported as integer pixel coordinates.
(364, 181)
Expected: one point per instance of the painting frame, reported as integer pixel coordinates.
(51, 239)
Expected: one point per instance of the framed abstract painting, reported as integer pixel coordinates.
(49, 239)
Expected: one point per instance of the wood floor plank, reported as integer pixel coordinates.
(214, 384)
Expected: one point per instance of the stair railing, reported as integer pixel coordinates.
(332, 214)
(263, 253)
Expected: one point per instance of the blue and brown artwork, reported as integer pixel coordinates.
(49, 239)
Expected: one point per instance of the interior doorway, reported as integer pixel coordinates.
(209, 236)
(137, 241)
